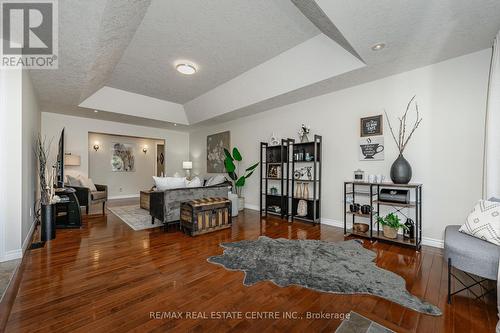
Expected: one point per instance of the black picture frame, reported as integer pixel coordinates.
(274, 171)
(372, 126)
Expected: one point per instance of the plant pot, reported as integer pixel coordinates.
(390, 232)
(48, 224)
(401, 171)
(241, 203)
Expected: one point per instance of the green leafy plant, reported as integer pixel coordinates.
(232, 164)
(392, 221)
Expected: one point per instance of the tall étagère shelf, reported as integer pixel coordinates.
(287, 180)
(369, 192)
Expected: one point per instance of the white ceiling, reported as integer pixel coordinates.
(131, 45)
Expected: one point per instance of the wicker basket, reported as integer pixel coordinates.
(390, 232)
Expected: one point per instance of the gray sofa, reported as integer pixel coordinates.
(165, 205)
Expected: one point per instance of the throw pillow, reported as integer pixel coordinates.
(168, 183)
(73, 181)
(87, 182)
(484, 222)
(215, 180)
(195, 182)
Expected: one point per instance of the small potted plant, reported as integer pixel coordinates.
(390, 224)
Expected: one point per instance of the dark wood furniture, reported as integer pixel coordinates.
(371, 191)
(294, 160)
(67, 211)
(96, 292)
(205, 215)
(144, 197)
(86, 197)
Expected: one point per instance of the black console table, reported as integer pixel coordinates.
(68, 214)
(370, 191)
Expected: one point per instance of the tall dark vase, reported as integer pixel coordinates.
(401, 171)
(48, 228)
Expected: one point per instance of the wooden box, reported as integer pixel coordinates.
(205, 215)
(144, 199)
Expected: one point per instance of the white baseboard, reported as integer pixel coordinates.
(252, 207)
(11, 255)
(439, 243)
(27, 240)
(125, 196)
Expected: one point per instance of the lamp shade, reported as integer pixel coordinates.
(71, 160)
(187, 165)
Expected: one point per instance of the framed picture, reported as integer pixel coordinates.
(274, 170)
(371, 126)
(215, 151)
(122, 157)
(371, 149)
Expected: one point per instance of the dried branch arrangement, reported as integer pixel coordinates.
(42, 150)
(402, 137)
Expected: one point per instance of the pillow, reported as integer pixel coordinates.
(73, 181)
(484, 222)
(168, 183)
(215, 180)
(87, 182)
(195, 182)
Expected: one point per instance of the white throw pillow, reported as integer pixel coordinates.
(484, 222)
(73, 181)
(168, 183)
(215, 180)
(87, 182)
(195, 182)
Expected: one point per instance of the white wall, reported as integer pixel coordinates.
(77, 133)
(31, 121)
(445, 152)
(19, 123)
(122, 183)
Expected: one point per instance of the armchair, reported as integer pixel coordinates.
(87, 197)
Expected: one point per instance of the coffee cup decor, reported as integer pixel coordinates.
(371, 149)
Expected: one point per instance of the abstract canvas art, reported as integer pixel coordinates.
(215, 151)
(122, 157)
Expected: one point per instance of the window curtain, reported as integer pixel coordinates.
(491, 186)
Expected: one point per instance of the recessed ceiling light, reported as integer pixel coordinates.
(378, 46)
(175, 124)
(186, 68)
(95, 111)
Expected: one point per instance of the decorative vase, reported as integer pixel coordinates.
(298, 191)
(409, 232)
(304, 138)
(390, 232)
(302, 208)
(305, 193)
(401, 171)
(48, 227)
(241, 203)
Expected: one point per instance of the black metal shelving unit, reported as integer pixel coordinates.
(312, 149)
(277, 155)
(283, 155)
(371, 192)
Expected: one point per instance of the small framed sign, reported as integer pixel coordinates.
(371, 126)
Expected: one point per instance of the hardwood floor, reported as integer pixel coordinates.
(106, 277)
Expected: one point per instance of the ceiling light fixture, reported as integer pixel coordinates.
(378, 46)
(95, 111)
(175, 124)
(186, 68)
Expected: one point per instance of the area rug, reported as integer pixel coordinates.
(7, 270)
(134, 216)
(344, 267)
(359, 324)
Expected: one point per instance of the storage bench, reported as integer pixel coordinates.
(205, 215)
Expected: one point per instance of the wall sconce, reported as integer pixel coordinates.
(96, 146)
(145, 149)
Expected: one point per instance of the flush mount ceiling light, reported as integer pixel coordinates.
(186, 68)
(378, 46)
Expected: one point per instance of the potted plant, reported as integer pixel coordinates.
(47, 197)
(234, 169)
(391, 224)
